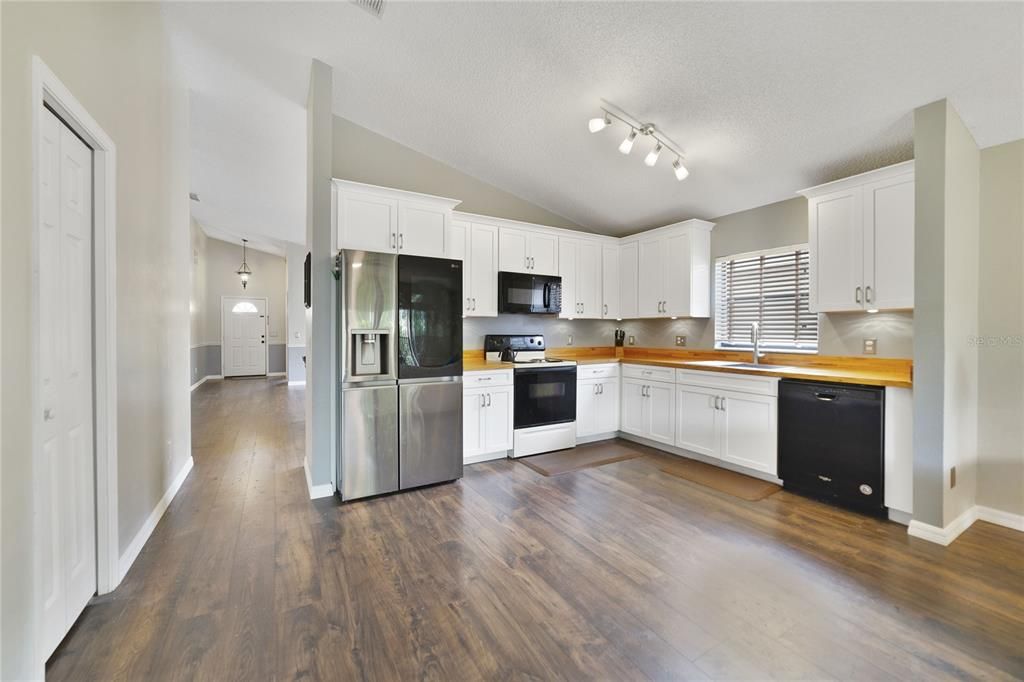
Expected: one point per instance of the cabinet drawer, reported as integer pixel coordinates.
(728, 382)
(649, 372)
(608, 371)
(478, 379)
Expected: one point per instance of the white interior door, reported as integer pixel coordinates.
(68, 517)
(244, 343)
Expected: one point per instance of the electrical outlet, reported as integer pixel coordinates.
(870, 346)
(680, 340)
(569, 342)
(632, 340)
(952, 477)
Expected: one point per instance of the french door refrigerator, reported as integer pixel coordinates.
(400, 334)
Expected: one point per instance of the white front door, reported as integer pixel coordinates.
(67, 521)
(244, 343)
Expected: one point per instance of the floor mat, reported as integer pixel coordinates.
(580, 457)
(722, 480)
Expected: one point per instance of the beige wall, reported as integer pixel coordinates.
(114, 59)
(362, 155)
(267, 280)
(1000, 329)
(197, 297)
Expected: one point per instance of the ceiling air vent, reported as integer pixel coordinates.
(374, 7)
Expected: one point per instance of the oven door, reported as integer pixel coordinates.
(519, 293)
(544, 395)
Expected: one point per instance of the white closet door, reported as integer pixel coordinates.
(68, 519)
(244, 330)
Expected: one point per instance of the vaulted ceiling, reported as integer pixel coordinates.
(764, 98)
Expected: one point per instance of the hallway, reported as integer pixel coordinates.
(617, 572)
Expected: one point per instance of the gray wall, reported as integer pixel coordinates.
(1000, 329)
(114, 59)
(556, 332)
(320, 332)
(362, 155)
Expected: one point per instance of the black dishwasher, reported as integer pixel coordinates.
(831, 443)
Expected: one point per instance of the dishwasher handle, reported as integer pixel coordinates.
(827, 397)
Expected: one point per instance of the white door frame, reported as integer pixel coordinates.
(48, 89)
(266, 331)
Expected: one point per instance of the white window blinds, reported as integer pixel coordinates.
(768, 287)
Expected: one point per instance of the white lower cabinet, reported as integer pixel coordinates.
(597, 401)
(717, 421)
(648, 409)
(486, 417)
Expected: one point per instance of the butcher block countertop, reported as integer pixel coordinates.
(864, 370)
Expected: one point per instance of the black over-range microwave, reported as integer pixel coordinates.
(521, 293)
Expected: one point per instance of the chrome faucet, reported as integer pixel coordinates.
(755, 338)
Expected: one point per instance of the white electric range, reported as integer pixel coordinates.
(544, 414)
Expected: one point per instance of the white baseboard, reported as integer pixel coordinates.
(297, 383)
(486, 457)
(276, 374)
(139, 541)
(204, 380)
(594, 438)
(316, 491)
(679, 452)
(1001, 518)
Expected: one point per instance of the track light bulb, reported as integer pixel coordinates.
(652, 156)
(627, 144)
(680, 169)
(599, 124)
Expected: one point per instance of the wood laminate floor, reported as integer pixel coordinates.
(619, 572)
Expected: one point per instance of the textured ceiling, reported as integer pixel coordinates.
(764, 98)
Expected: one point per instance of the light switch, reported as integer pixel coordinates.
(680, 340)
(632, 340)
(569, 342)
(870, 346)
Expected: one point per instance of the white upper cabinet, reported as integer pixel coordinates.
(629, 274)
(529, 251)
(861, 235)
(579, 266)
(674, 271)
(610, 285)
(476, 245)
(372, 218)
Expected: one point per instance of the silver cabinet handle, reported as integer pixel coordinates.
(474, 303)
(868, 294)
(488, 400)
(483, 400)
(715, 398)
(394, 243)
(484, 379)
(467, 303)
(401, 241)
(595, 389)
(49, 414)
(723, 403)
(601, 386)
(856, 295)
(605, 309)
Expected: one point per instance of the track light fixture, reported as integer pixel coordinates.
(661, 141)
(627, 144)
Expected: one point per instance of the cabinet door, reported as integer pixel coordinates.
(512, 250)
(837, 252)
(497, 424)
(483, 271)
(543, 252)
(889, 243)
(587, 407)
(676, 264)
(695, 420)
(608, 406)
(610, 282)
(568, 257)
(422, 229)
(748, 431)
(629, 273)
(367, 222)
(633, 404)
(650, 277)
(588, 280)
(661, 412)
(472, 422)
(458, 249)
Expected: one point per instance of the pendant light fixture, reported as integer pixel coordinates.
(243, 270)
(636, 129)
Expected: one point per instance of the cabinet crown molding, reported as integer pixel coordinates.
(691, 224)
(401, 194)
(897, 169)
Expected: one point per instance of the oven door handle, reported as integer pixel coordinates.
(540, 370)
(547, 295)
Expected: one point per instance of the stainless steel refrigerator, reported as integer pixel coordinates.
(400, 336)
